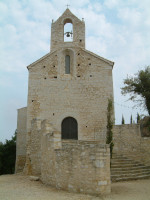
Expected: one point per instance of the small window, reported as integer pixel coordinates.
(67, 64)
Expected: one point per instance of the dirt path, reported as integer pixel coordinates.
(19, 187)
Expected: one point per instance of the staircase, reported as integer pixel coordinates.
(124, 169)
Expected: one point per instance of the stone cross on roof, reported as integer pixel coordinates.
(67, 5)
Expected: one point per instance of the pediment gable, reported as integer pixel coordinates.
(111, 63)
(39, 60)
(67, 14)
(104, 60)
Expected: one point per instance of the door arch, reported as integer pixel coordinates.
(69, 128)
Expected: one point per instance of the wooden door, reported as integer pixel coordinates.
(69, 128)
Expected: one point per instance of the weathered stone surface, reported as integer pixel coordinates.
(21, 140)
(70, 167)
(99, 163)
(34, 178)
(102, 182)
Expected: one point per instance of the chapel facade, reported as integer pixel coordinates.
(62, 131)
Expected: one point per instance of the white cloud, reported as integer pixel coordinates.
(73, 4)
(3, 11)
(111, 3)
(131, 16)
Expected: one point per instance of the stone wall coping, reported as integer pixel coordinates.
(118, 125)
(74, 142)
(22, 108)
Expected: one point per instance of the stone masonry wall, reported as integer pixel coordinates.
(54, 95)
(35, 147)
(62, 95)
(78, 166)
(128, 142)
(21, 139)
(145, 150)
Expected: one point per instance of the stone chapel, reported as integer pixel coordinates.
(67, 100)
(62, 131)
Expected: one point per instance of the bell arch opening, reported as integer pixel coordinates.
(69, 128)
(68, 30)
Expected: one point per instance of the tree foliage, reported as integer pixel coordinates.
(110, 125)
(8, 156)
(139, 85)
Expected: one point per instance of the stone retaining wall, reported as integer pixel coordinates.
(21, 140)
(78, 166)
(128, 141)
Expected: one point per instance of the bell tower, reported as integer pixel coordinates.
(76, 35)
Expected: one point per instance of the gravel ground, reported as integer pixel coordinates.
(19, 187)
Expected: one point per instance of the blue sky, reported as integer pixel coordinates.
(115, 29)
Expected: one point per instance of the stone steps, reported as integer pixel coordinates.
(126, 165)
(129, 171)
(123, 169)
(133, 174)
(117, 179)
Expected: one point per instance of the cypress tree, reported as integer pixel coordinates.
(123, 121)
(131, 120)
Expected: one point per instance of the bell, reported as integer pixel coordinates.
(68, 34)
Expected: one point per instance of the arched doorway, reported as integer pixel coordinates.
(69, 128)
